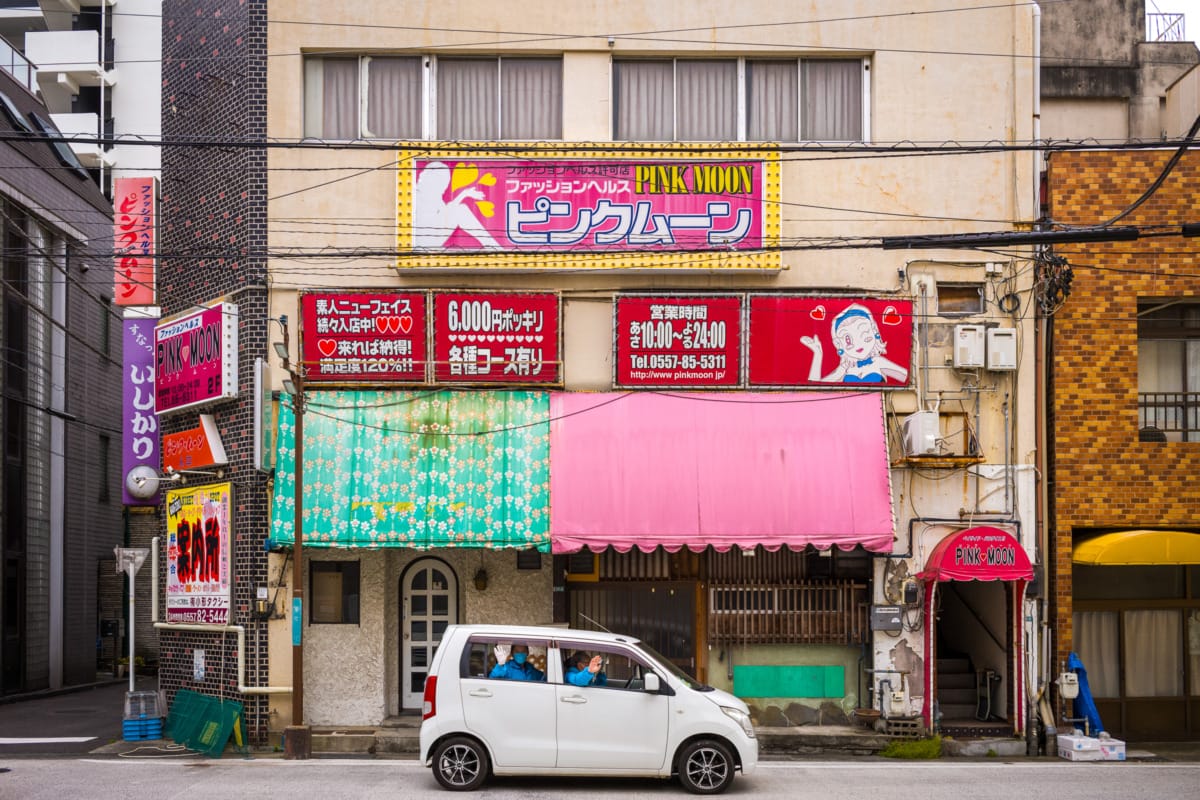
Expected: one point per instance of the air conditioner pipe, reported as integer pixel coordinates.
(240, 630)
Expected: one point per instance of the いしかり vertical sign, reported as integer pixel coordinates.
(691, 341)
(134, 219)
(822, 341)
(364, 336)
(496, 337)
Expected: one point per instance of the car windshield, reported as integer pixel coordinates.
(671, 667)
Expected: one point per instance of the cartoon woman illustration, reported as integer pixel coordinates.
(860, 349)
(436, 219)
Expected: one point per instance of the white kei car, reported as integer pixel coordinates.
(635, 714)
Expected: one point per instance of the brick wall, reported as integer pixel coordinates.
(213, 233)
(1102, 476)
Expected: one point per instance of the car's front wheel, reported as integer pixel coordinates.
(460, 764)
(706, 767)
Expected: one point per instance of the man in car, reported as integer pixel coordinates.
(516, 667)
(585, 671)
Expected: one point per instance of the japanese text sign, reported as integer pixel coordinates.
(195, 358)
(364, 336)
(678, 341)
(191, 449)
(199, 562)
(592, 205)
(134, 220)
(496, 338)
(815, 341)
(138, 420)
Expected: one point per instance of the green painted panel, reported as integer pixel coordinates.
(789, 681)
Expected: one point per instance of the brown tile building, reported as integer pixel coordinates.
(1124, 439)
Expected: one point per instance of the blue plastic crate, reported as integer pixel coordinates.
(134, 730)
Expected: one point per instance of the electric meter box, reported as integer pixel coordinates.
(1002, 349)
(968, 345)
(886, 618)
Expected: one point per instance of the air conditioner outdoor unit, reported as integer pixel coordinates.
(921, 433)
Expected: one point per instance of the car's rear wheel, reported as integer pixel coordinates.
(460, 764)
(706, 767)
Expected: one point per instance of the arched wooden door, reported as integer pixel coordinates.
(428, 603)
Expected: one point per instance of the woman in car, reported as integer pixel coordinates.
(516, 667)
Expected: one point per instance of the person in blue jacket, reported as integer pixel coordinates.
(517, 667)
(585, 671)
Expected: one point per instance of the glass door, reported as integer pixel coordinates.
(429, 603)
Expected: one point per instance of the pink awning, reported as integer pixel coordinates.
(695, 470)
(978, 554)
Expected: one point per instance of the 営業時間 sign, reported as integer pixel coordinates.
(690, 341)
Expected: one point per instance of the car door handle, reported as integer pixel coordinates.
(574, 698)
(480, 693)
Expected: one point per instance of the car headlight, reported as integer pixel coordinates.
(741, 718)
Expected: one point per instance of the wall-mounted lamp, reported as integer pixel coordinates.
(481, 579)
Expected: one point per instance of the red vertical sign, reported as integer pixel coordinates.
(135, 209)
(364, 336)
(678, 341)
(496, 337)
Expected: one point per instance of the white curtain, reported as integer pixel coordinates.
(1193, 638)
(644, 102)
(339, 101)
(531, 98)
(1153, 653)
(468, 99)
(393, 98)
(772, 101)
(706, 101)
(832, 100)
(1096, 642)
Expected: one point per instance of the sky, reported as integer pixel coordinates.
(1191, 8)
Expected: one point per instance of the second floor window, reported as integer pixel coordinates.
(757, 100)
(424, 97)
(1169, 371)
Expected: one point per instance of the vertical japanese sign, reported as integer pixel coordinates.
(138, 420)
(135, 209)
(364, 337)
(496, 338)
(819, 341)
(678, 341)
(195, 358)
(199, 563)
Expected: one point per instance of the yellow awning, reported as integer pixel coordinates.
(1127, 548)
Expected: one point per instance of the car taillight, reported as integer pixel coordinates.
(429, 707)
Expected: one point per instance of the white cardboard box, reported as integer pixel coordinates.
(1112, 749)
(1067, 741)
(1079, 755)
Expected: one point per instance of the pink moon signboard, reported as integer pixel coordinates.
(195, 358)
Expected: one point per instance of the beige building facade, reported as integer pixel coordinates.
(861, 121)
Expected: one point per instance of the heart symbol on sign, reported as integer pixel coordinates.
(406, 323)
(327, 346)
(393, 324)
(818, 313)
(184, 351)
(891, 316)
(381, 324)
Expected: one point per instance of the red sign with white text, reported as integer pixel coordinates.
(364, 336)
(822, 341)
(678, 341)
(135, 202)
(496, 338)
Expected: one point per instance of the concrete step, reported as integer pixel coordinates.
(955, 697)
(957, 665)
(957, 710)
(343, 740)
(956, 680)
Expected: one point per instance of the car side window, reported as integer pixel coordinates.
(619, 668)
(500, 658)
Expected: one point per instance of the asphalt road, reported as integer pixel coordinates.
(46, 725)
(334, 779)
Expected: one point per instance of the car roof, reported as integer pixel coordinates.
(543, 632)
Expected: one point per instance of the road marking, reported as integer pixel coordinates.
(49, 740)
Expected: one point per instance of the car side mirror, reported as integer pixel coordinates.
(652, 683)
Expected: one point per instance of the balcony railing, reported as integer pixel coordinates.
(1165, 28)
(17, 65)
(1169, 416)
(830, 612)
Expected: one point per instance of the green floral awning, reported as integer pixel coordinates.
(417, 469)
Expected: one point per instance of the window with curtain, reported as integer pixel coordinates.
(387, 97)
(756, 100)
(1168, 371)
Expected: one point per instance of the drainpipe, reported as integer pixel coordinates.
(240, 630)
